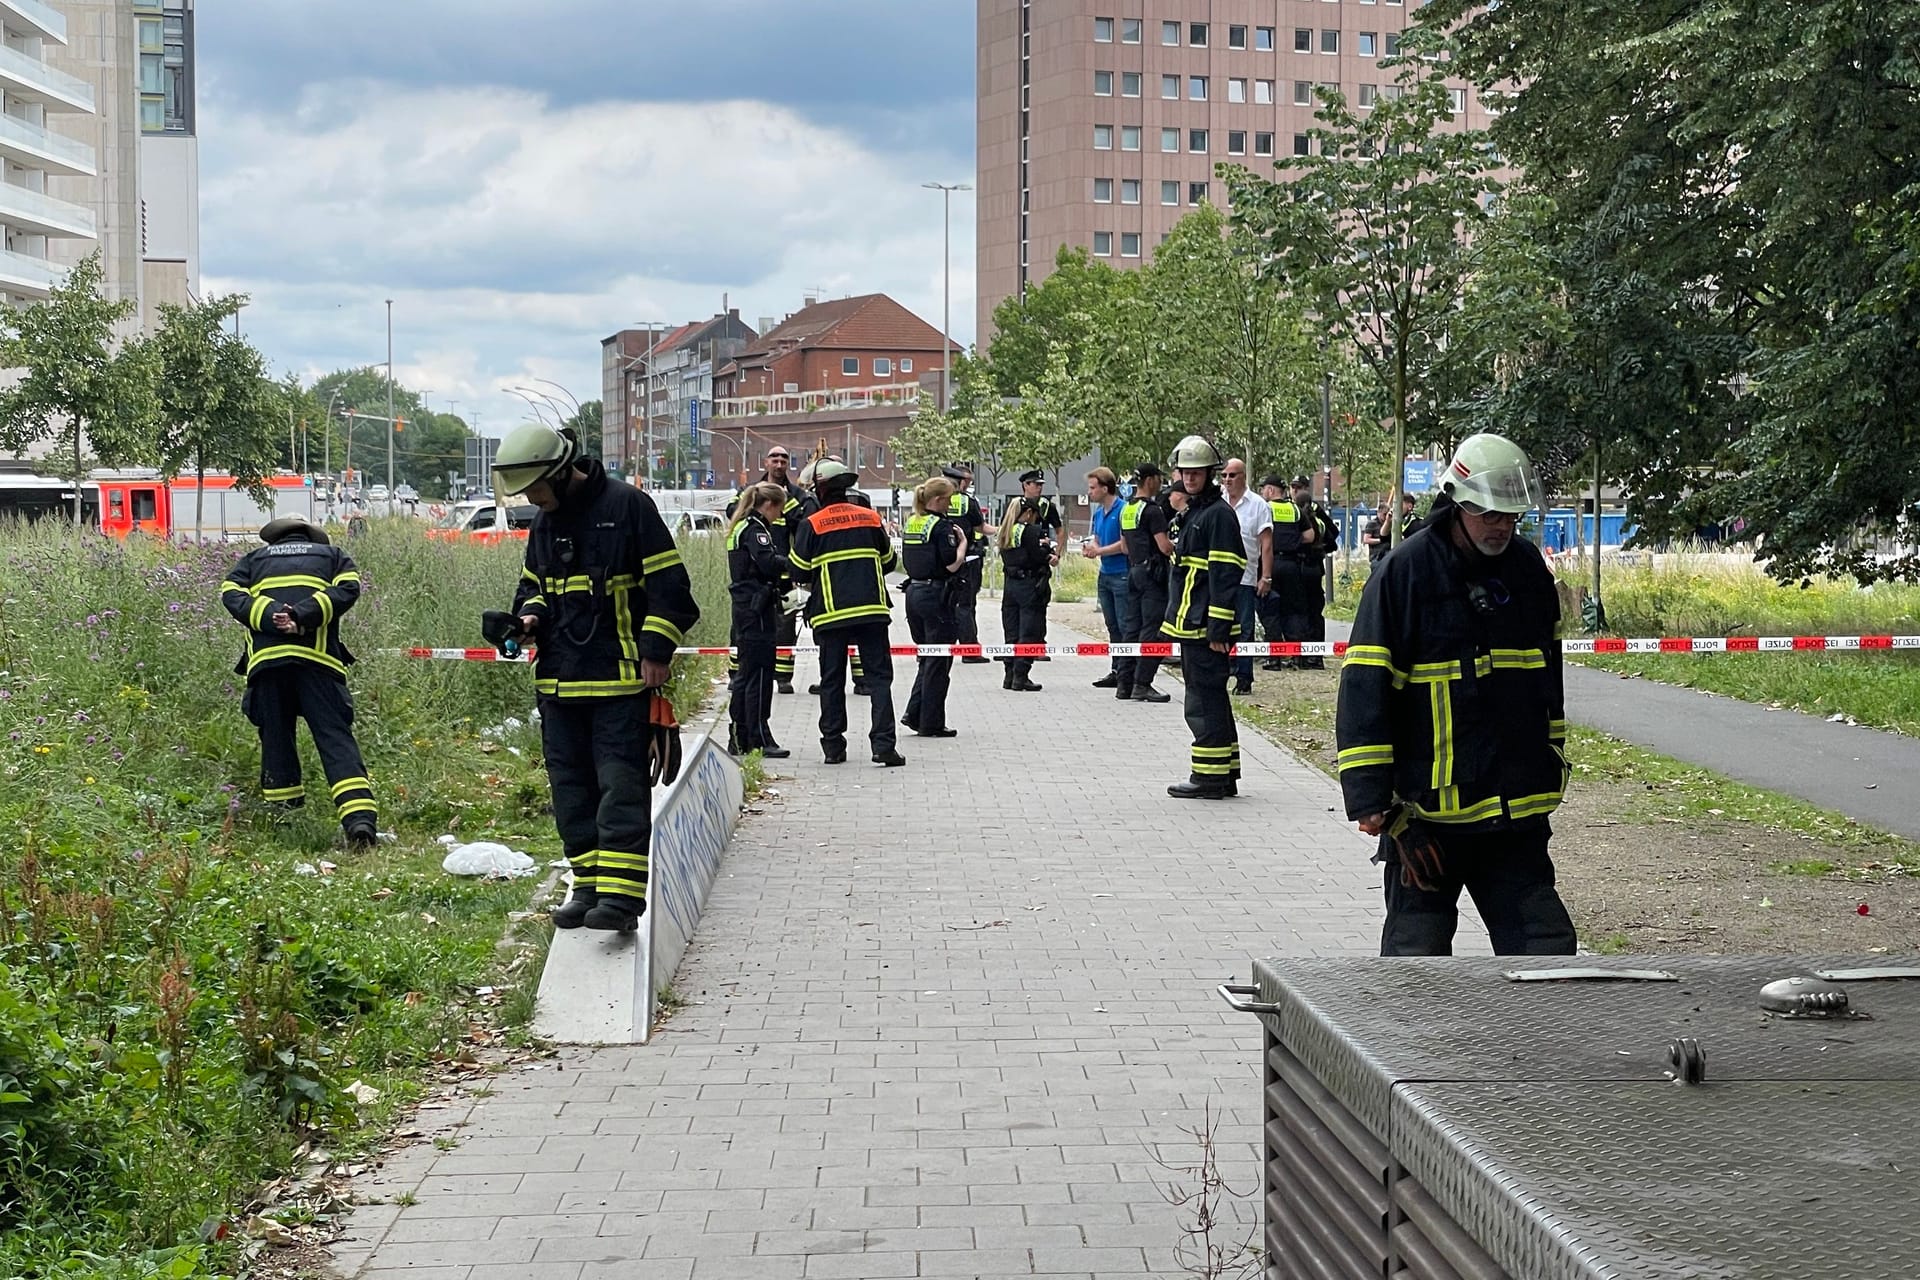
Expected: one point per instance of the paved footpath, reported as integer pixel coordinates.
(940, 1021)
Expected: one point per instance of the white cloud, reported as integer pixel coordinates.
(513, 235)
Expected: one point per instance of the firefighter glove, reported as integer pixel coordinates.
(1422, 862)
(502, 631)
(663, 740)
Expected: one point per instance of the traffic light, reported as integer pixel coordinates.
(399, 425)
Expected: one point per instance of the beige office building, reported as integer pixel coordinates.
(1100, 123)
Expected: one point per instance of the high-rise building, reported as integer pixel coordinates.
(1100, 123)
(43, 231)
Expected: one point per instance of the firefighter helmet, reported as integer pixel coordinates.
(292, 527)
(532, 452)
(1193, 454)
(827, 471)
(1492, 473)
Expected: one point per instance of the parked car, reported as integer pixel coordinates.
(681, 523)
(474, 521)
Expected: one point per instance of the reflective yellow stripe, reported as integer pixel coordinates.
(1221, 752)
(1427, 672)
(348, 575)
(1483, 811)
(256, 615)
(588, 688)
(1557, 729)
(294, 651)
(1373, 655)
(289, 580)
(283, 793)
(1227, 557)
(661, 560)
(662, 627)
(852, 611)
(355, 806)
(1202, 767)
(350, 784)
(606, 859)
(325, 602)
(1534, 806)
(1220, 611)
(534, 602)
(1518, 660)
(623, 624)
(230, 585)
(1441, 698)
(1364, 757)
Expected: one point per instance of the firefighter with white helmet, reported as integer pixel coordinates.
(1208, 559)
(606, 599)
(1452, 724)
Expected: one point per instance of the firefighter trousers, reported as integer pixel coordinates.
(1216, 739)
(750, 688)
(931, 620)
(1023, 617)
(867, 642)
(1511, 880)
(596, 750)
(274, 701)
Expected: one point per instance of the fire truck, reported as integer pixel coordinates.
(140, 500)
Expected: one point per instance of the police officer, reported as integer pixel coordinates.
(1202, 614)
(1046, 513)
(1410, 523)
(758, 575)
(933, 552)
(1326, 541)
(606, 598)
(787, 628)
(1144, 524)
(965, 508)
(290, 596)
(1027, 553)
(1284, 609)
(843, 552)
(1451, 725)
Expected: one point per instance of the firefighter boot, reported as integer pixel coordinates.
(573, 912)
(616, 913)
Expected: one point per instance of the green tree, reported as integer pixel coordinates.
(79, 388)
(1054, 313)
(216, 408)
(1375, 231)
(586, 425)
(1048, 426)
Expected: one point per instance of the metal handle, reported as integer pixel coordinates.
(1590, 975)
(1865, 975)
(1229, 990)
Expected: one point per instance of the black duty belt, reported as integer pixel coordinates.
(1026, 573)
(925, 582)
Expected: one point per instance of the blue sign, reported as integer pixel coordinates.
(693, 423)
(1418, 475)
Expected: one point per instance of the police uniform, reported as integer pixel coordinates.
(1451, 709)
(1410, 524)
(843, 551)
(303, 673)
(1027, 558)
(606, 584)
(965, 509)
(928, 545)
(1296, 576)
(1326, 541)
(1208, 561)
(758, 574)
(1141, 521)
(786, 625)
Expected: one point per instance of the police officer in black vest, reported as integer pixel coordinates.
(933, 551)
(1145, 524)
(965, 508)
(1028, 554)
(780, 529)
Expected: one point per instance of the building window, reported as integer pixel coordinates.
(1103, 244)
(1329, 42)
(1263, 144)
(1170, 33)
(153, 114)
(1236, 37)
(1263, 39)
(1170, 191)
(1130, 137)
(906, 364)
(1197, 88)
(1196, 192)
(1236, 89)
(1197, 141)
(1129, 31)
(1130, 244)
(1103, 137)
(1369, 44)
(1393, 43)
(150, 40)
(1303, 93)
(1302, 144)
(1103, 30)
(1457, 101)
(1129, 84)
(1236, 142)
(1369, 94)
(1103, 84)
(882, 367)
(1263, 92)
(1169, 141)
(1170, 88)
(1103, 190)
(1302, 40)
(850, 366)
(1129, 191)
(1197, 34)
(153, 76)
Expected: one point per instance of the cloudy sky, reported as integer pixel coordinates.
(524, 177)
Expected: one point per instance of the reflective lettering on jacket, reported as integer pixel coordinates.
(927, 546)
(844, 552)
(1289, 522)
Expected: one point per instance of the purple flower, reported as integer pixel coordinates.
(93, 619)
(173, 607)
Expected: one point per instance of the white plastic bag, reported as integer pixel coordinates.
(485, 858)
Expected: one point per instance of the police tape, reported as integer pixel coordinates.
(1276, 649)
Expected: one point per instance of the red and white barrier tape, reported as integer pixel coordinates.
(1280, 649)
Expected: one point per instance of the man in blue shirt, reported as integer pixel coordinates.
(1109, 547)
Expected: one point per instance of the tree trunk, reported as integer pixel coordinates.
(1399, 437)
(199, 498)
(79, 480)
(1596, 523)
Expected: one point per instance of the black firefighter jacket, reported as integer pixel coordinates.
(606, 581)
(1450, 698)
(1208, 559)
(316, 580)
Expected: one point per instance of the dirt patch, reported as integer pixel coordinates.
(1643, 883)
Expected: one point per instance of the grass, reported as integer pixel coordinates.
(189, 984)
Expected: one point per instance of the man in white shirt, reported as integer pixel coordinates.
(1256, 532)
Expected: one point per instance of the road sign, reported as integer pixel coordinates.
(1418, 475)
(693, 423)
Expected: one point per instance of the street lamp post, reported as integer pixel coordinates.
(390, 431)
(946, 190)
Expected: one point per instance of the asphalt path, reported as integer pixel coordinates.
(1866, 774)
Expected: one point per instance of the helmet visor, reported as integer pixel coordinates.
(519, 478)
(1511, 488)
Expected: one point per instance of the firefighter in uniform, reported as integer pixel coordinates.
(966, 509)
(933, 550)
(290, 595)
(1027, 554)
(758, 576)
(1451, 728)
(810, 503)
(1326, 541)
(1144, 523)
(606, 598)
(843, 551)
(1208, 559)
(786, 626)
(1285, 607)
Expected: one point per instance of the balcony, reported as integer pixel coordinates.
(892, 393)
(42, 215)
(35, 147)
(32, 80)
(28, 277)
(32, 18)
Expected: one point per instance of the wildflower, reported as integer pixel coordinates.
(93, 619)
(173, 606)
(43, 751)
(89, 779)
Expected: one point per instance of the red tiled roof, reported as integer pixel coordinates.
(872, 321)
(678, 336)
